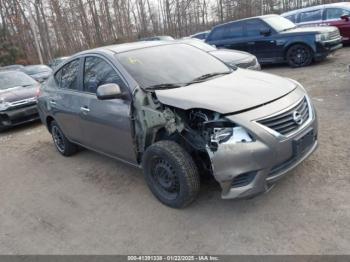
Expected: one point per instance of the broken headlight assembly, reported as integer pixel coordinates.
(232, 135)
(226, 132)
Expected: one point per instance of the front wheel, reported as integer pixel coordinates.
(299, 55)
(171, 174)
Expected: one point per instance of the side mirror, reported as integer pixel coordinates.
(345, 17)
(109, 91)
(265, 31)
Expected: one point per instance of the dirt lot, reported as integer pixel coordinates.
(90, 204)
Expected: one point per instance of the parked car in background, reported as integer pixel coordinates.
(232, 58)
(337, 14)
(178, 113)
(18, 96)
(12, 68)
(201, 35)
(275, 39)
(157, 38)
(56, 61)
(39, 72)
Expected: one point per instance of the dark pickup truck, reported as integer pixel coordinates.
(274, 39)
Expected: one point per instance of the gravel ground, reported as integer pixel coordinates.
(90, 204)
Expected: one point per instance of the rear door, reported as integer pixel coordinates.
(65, 101)
(332, 18)
(106, 123)
(230, 36)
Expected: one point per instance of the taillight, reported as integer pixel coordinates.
(38, 91)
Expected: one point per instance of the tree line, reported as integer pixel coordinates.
(39, 30)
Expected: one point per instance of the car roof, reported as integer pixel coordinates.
(203, 32)
(120, 48)
(244, 19)
(342, 4)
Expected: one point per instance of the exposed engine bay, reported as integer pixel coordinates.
(201, 131)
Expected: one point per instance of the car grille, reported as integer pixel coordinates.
(247, 64)
(334, 35)
(23, 103)
(289, 121)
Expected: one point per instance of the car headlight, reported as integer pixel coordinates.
(322, 37)
(232, 135)
(297, 84)
(4, 105)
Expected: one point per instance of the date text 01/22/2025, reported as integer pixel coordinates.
(173, 258)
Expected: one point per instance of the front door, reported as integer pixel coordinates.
(261, 41)
(106, 124)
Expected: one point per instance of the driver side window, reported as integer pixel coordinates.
(254, 27)
(98, 72)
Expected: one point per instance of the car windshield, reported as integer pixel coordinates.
(31, 70)
(13, 79)
(279, 23)
(176, 64)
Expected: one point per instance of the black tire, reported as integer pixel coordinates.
(171, 174)
(299, 55)
(62, 144)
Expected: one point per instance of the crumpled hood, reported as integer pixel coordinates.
(18, 93)
(240, 90)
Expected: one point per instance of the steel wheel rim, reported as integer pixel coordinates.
(58, 139)
(165, 179)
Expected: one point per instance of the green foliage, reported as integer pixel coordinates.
(8, 53)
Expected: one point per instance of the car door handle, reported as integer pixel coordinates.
(84, 109)
(251, 43)
(52, 102)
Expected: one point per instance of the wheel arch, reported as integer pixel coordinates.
(48, 122)
(291, 44)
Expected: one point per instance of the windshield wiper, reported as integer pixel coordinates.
(207, 76)
(163, 86)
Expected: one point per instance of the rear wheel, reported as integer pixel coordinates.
(62, 144)
(299, 55)
(171, 174)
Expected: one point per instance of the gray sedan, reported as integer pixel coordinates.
(39, 72)
(18, 94)
(232, 58)
(179, 113)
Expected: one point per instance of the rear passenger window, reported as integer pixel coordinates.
(311, 16)
(233, 30)
(336, 13)
(98, 72)
(67, 77)
(217, 34)
(254, 27)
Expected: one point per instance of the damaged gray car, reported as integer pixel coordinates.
(180, 113)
